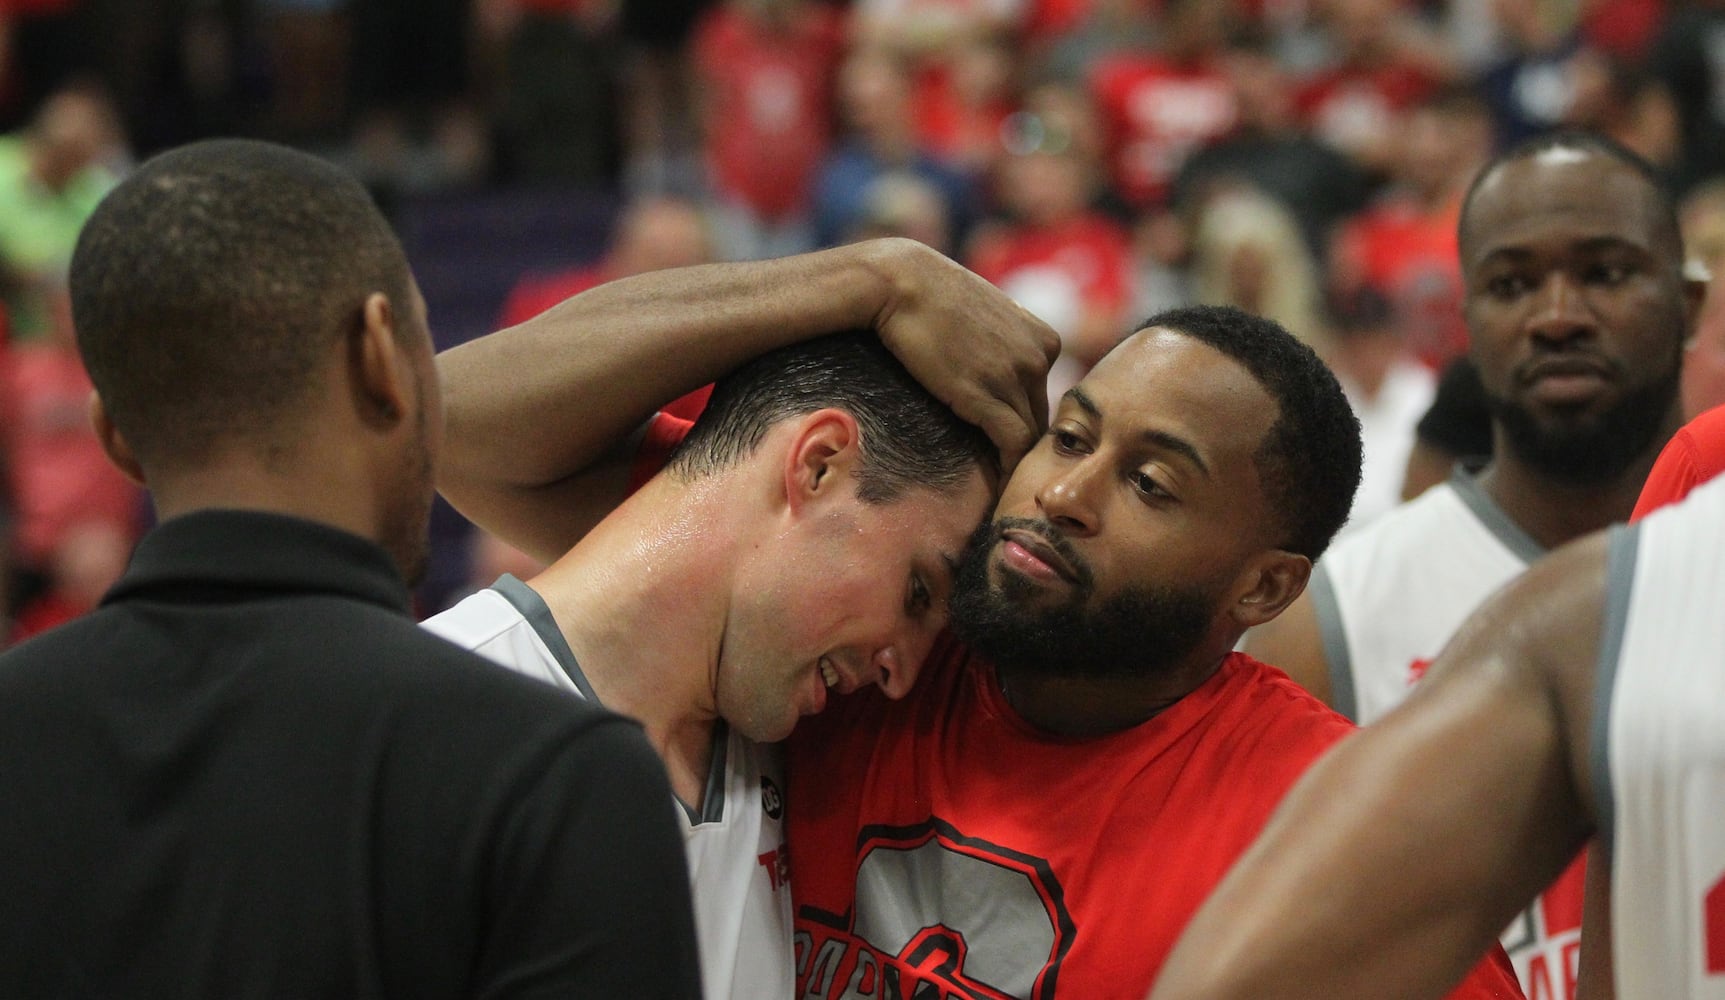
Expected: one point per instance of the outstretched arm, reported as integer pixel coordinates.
(531, 408)
(1394, 864)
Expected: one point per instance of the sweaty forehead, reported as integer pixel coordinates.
(1160, 381)
(1563, 195)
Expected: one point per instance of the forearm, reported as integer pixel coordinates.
(533, 404)
(532, 408)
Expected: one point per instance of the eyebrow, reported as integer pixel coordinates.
(1162, 439)
(1592, 244)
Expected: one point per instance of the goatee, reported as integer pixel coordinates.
(1137, 632)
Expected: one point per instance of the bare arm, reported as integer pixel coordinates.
(531, 408)
(1597, 975)
(1292, 642)
(1395, 862)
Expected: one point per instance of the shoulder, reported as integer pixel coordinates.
(1694, 455)
(1271, 712)
(475, 620)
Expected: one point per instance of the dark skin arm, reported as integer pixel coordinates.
(533, 411)
(1393, 865)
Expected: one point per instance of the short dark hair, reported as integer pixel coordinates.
(1581, 141)
(208, 285)
(908, 437)
(1309, 460)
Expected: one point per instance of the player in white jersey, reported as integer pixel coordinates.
(800, 541)
(1388, 596)
(735, 844)
(1588, 696)
(1578, 308)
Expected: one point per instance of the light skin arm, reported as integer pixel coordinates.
(1394, 864)
(532, 408)
(1292, 642)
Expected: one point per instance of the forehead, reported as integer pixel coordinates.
(936, 519)
(1561, 197)
(1162, 382)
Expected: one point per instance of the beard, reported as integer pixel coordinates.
(1591, 450)
(1140, 631)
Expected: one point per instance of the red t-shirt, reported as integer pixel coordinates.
(769, 116)
(61, 477)
(942, 844)
(1695, 454)
(1411, 257)
(1350, 105)
(1155, 114)
(1093, 252)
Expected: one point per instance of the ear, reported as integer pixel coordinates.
(113, 445)
(1694, 299)
(1268, 584)
(379, 364)
(823, 450)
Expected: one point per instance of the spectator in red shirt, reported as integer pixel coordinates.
(1053, 253)
(1404, 246)
(1158, 107)
(763, 71)
(74, 509)
(1384, 64)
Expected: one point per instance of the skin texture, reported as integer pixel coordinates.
(973, 348)
(1467, 800)
(757, 575)
(376, 421)
(1148, 474)
(1575, 298)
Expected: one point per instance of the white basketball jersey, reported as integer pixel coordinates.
(738, 865)
(1660, 749)
(1388, 597)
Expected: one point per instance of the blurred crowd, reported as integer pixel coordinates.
(1098, 159)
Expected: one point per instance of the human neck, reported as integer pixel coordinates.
(641, 602)
(1553, 512)
(1092, 707)
(241, 483)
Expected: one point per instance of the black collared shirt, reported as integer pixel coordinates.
(249, 773)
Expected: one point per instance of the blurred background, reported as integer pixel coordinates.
(1098, 159)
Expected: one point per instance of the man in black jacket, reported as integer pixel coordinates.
(249, 773)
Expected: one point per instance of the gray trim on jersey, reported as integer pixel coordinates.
(538, 615)
(1466, 486)
(1328, 611)
(1625, 544)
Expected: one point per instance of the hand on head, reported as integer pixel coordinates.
(973, 347)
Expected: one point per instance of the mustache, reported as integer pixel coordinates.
(1045, 530)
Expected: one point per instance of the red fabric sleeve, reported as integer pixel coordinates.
(664, 433)
(1695, 454)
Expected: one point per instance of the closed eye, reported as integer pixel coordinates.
(918, 599)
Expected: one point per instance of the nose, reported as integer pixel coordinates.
(1069, 499)
(897, 666)
(1560, 312)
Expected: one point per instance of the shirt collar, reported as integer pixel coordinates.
(242, 550)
